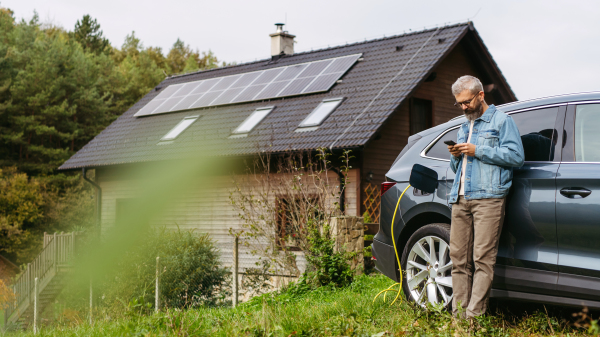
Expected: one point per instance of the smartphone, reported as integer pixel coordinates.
(450, 142)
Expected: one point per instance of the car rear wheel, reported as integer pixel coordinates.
(426, 266)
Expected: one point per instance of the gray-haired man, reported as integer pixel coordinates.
(489, 146)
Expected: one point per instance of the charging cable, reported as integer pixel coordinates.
(399, 284)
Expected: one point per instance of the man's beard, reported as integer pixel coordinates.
(473, 114)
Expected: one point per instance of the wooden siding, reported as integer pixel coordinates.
(207, 211)
(352, 193)
(381, 152)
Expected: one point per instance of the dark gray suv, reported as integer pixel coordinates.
(550, 243)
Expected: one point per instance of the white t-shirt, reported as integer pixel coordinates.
(461, 190)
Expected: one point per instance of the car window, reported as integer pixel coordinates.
(439, 149)
(537, 133)
(587, 134)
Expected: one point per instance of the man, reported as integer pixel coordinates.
(488, 147)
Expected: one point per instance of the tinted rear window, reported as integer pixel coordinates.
(439, 149)
(537, 133)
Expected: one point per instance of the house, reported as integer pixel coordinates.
(368, 97)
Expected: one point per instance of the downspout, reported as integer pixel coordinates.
(342, 188)
(98, 197)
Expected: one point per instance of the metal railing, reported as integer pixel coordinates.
(58, 251)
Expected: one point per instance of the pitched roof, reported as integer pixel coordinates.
(390, 69)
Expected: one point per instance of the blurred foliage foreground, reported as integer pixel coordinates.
(325, 311)
(58, 89)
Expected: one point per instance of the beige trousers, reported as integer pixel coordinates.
(474, 234)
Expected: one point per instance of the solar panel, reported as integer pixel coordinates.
(315, 68)
(246, 80)
(225, 82)
(296, 87)
(206, 99)
(272, 90)
(303, 78)
(227, 96)
(322, 83)
(268, 76)
(291, 72)
(249, 93)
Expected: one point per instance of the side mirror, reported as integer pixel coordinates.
(423, 178)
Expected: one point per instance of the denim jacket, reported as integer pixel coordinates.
(498, 149)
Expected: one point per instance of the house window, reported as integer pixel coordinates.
(255, 117)
(179, 128)
(293, 213)
(420, 115)
(318, 115)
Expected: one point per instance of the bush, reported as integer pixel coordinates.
(326, 266)
(191, 274)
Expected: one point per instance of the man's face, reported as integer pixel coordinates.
(474, 108)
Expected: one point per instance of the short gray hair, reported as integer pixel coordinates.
(467, 82)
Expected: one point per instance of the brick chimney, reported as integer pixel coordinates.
(282, 43)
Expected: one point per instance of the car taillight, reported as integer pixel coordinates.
(385, 186)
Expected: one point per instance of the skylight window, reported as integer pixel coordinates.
(179, 128)
(318, 115)
(256, 117)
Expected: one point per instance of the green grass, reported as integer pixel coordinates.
(323, 312)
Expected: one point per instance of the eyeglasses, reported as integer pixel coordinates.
(467, 102)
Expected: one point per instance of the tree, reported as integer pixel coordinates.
(182, 59)
(87, 32)
(56, 104)
(139, 70)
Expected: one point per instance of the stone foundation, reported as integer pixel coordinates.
(348, 232)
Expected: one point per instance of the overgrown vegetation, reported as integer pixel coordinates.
(30, 206)
(287, 204)
(330, 311)
(190, 276)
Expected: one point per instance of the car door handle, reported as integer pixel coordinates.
(573, 192)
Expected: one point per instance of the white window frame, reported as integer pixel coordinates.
(238, 130)
(303, 124)
(174, 132)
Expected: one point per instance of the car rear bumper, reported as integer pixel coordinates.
(385, 259)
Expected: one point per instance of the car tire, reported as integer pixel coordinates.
(425, 279)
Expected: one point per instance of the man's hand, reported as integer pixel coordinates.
(454, 150)
(466, 148)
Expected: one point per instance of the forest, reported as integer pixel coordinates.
(58, 89)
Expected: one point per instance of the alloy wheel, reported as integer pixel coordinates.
(429, 271)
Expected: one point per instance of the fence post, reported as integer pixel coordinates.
(35, 305)
(72, 248)
(235, 271)
(156, 288)
(55, 255)
(91, 303)
(28, 271)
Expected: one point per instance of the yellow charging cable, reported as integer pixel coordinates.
(399, 284)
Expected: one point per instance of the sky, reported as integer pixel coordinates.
(543, 48)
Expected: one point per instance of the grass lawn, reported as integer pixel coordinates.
(323, 312)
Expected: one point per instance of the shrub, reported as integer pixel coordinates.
(326, 266)
(192, 274)
(190, 270)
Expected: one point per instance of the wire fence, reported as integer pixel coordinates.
(157, 283)
(193, 271)
(238, 277)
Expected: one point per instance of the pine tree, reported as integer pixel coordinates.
(55, 106)
(87, 32)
